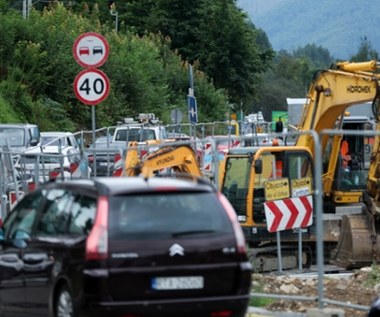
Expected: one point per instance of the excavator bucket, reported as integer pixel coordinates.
(358, 243)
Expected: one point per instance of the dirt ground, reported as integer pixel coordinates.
(360, 288)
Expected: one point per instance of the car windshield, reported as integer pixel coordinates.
(12, 137)
(53, 140)
(168, 215)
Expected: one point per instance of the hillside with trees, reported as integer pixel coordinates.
(151, 47)
(147, 66)
(338, 25)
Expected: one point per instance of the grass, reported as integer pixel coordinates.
(7, 115)
(259, 301)
(373, 276)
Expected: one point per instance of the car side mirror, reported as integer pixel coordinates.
(33, 142)
(258, 166)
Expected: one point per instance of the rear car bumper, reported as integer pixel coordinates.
(184, 307)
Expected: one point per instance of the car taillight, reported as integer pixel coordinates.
(53, 174)
(239, 236)
(97, 240)
(31, 186)
(117, 157)
(73, 167)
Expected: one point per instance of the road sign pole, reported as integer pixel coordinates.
(93, 121)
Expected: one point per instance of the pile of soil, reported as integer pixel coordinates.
(360, 288)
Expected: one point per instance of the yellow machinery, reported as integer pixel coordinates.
(281, 175)
(180, 159)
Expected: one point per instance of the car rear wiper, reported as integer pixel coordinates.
(191, 232)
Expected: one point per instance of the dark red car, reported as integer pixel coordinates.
(123, 247)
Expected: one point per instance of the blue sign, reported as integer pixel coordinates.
(192, 106)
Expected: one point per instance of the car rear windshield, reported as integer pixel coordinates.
(167, 215)
(135, 135)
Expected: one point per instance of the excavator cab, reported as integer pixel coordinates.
(346, 161)
(255, 175)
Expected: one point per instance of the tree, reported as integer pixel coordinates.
(316, 55)
(365, 51)
(214, 33)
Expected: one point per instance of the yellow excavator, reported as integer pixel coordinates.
(180, 159)
(265, 182)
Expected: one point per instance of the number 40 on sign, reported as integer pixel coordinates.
(91, 86)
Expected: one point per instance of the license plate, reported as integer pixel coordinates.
(104, 164)
(173, 283)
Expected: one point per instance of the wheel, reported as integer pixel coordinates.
(64, 306)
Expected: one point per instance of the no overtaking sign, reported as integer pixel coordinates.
(91, 50)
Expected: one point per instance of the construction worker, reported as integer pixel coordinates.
(345, 153)
(279, 126)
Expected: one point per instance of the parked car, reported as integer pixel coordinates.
(19, 136)
(52, 161)
(15, 138)
(124, 246)
(101, 156)
(58, 138)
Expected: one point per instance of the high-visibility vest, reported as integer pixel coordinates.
(278, 169)
(345, 152)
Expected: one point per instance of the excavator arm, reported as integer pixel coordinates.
(181, 159)
(332, 92)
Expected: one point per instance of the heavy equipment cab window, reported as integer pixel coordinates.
(55, 216)
(236, 182)
(237, 174)
(24, 215)
(268, 170)
(299, 166)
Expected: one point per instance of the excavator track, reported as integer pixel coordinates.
(265, 259)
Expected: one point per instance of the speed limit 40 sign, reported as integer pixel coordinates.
(91, 86)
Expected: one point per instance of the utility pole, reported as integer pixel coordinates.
(26, 8)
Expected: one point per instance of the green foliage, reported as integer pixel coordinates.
(259, 301)
(215, 35)
(37, 72)
(373, 276)
(365, 52)
(316, 55)
(6, 112)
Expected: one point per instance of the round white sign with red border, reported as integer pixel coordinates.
(90, 50)
(91, 86)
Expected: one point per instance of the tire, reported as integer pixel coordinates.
(64, 305)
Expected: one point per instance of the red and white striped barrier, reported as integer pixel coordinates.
(289, 213)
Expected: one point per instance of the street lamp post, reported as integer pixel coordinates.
(114, 13)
